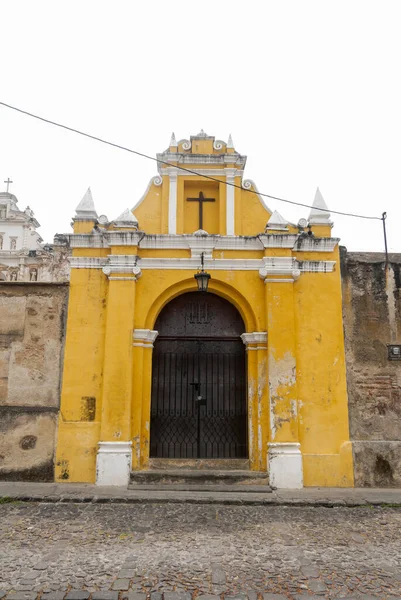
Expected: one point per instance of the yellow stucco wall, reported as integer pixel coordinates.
(296, 385)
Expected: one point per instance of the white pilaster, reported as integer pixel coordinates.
(113, 463)
(172, 202)
(285, 465)
(230, 201)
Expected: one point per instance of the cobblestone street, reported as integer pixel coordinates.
(127, 551)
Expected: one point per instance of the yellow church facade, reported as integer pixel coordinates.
(253, 369)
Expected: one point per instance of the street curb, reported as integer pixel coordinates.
(67, 499)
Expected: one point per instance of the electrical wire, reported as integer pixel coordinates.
(103, 141)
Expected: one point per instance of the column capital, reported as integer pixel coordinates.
(256, 340)
(144, 338)
(123, 273)
(279, 269)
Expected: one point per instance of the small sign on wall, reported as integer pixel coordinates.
(394, 351)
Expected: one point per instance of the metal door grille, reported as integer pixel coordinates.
(182, 427)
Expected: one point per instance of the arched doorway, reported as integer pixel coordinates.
(199, 405)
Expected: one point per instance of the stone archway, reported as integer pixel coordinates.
(199, 403)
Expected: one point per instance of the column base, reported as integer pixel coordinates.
(285, 465)
(113, 463)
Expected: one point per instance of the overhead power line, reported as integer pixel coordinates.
(103, 141)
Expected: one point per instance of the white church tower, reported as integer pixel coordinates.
(23, 257)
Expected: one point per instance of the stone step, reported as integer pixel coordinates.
(214, 464)
(200, 478)
(193, 487)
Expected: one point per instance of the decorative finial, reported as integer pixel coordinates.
(86, 208)
(173, 141)
(319, 213)
(230, 143)
(127, 217)
(8, 181)
(276, 221)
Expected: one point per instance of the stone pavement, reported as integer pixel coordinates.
(160, 550)
(75, 492)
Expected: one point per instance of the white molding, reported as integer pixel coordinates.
(196, 172)
(277, 240)
(309, 243)
(145, 337)
(269, 267)
(181, 158)
(277, 280)
(279, 265)
(201, 244)
(230, 202)
(123, 238)
(238, 243)
(316, 266)
(87, 262)
(285, 465)
(191, 264)
(122, 278)
(222, 242)
(127, 267)
(255, 337)
(172, 202)
(113, 463)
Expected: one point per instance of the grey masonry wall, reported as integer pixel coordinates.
(32, 329)
(372, 321)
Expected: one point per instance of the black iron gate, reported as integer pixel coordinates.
(198, 407)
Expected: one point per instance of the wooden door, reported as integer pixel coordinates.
(198, 407)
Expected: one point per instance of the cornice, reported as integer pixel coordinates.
(295, 242)
(168, 171)
(271, 269)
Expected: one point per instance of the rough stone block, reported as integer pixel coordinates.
(218, 576)
(177, 596)
(273, 597)
(133, 596)
(104, 595)
(127, 574)
(22, 596)
(53, 596)
(121, 584)
(310, 571)
(78, 595)
(317, 586)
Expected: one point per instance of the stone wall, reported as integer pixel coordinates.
(32, 329)
(372, 321)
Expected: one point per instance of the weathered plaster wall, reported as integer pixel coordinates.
(372, 320)
(32, 325)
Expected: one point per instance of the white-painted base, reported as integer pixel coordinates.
(113, 463)
(285, 465)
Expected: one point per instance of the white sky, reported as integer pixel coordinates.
(309, 89)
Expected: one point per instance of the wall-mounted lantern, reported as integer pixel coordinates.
(202, 278)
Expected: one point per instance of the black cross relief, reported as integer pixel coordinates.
(201, 199)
